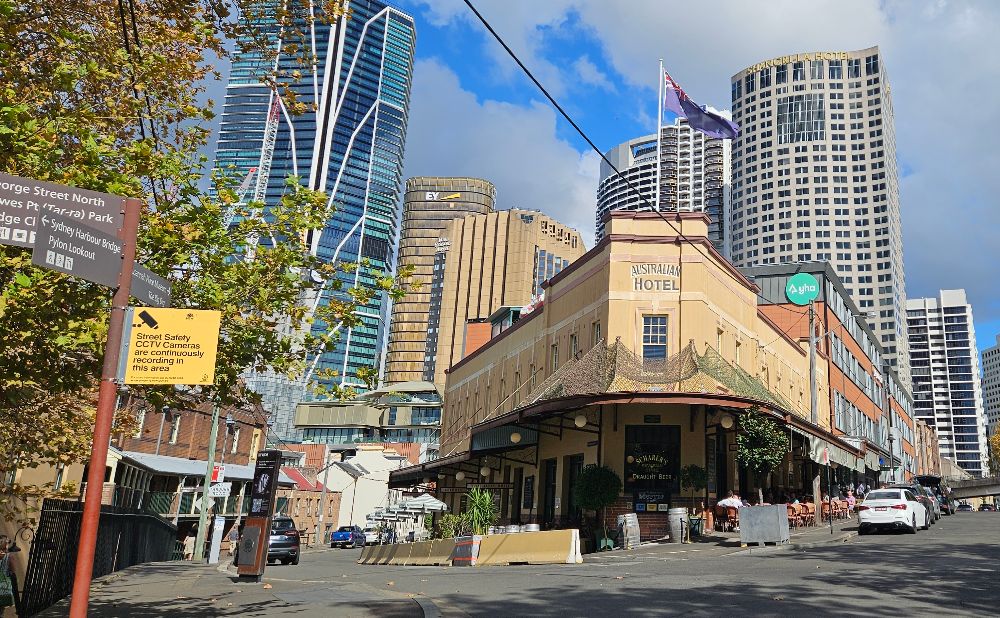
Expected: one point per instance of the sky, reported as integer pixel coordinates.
(473, 113)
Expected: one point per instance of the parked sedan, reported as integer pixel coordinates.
(987, 507)
(892, 508)
(918, 492)
(935, 505)
(372, 536)
(965, 507)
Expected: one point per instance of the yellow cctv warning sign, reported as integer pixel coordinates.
(169, 346)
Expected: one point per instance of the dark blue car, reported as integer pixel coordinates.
(347, 536)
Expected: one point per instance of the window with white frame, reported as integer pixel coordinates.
(654, 337)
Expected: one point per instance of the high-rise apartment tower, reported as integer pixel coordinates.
(991, 387)
(429, 205)
(814, 178)
(944, 362)
(694, 176)
(348, 143)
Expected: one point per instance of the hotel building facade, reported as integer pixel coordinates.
(645, 356)
(694, 177)
(815, 178)
(429, 205)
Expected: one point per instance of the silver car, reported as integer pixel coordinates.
(934, 503)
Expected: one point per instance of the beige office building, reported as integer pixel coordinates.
(483, 263)
(814, 178)
(429, 205)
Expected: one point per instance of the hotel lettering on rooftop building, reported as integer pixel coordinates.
(643, 356)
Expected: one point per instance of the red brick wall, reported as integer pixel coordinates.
(651, 525)
(192, 439)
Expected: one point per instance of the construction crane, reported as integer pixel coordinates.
(241, 195)
(263, 169)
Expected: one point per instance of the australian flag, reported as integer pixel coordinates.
(709, 123)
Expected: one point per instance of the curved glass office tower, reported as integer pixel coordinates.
(349, 143)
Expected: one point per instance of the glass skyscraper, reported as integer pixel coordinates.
(349, 143)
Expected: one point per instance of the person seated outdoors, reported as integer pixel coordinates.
(732, 500)
(792, 498)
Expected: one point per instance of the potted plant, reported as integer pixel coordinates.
(597, 488)
(481, 511)
(694, 479)
(761, 444)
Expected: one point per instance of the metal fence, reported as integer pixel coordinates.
(125, 537)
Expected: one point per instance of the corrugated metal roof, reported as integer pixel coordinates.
(177, 466)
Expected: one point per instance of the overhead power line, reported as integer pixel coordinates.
(587, 139)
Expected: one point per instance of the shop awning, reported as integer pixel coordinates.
(838, 455)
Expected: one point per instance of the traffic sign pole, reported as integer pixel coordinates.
(105, 415)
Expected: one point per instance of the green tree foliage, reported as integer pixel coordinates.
(694, 478)
(761, 443)
(109, 96)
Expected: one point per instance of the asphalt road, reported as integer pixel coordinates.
(952, 569)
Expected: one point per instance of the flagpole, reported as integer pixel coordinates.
(659, 133)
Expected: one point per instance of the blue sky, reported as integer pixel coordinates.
(473, 113)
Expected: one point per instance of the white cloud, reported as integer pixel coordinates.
(516, 147)
(589, 74)
(944, 73)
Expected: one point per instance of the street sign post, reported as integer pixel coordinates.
(107, 393)
(149, 288)
(23, 199)
(220, 490)
(70, 247)
(169, 346)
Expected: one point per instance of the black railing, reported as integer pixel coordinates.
(125, 537)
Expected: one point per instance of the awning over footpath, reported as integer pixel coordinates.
(178, 466)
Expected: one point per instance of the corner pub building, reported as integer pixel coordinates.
(642, 357)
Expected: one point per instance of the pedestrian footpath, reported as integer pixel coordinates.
(185, 590)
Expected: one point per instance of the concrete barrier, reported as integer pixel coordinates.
(552, 547)
(424, 553)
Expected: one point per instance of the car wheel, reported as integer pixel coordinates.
(913, 527)
(927, 524)
(295, 560)
(862, 531)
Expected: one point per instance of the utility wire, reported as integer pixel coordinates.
(580, 131)
(593, 146)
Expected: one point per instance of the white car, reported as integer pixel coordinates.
(891, 508)
(371, 536)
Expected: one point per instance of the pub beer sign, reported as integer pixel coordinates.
(653, 277)
(649, 469)
(652, 458)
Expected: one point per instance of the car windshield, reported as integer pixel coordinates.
(345, 529)
(282, 525)
(882, 495)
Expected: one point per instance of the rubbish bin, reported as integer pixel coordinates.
(695, 523)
